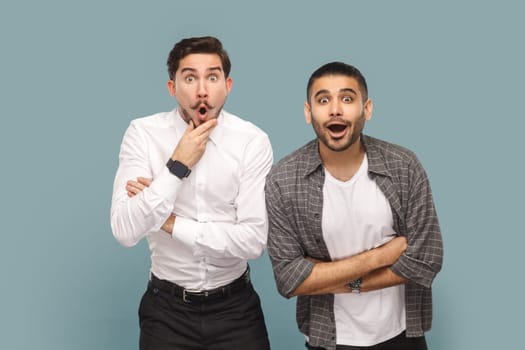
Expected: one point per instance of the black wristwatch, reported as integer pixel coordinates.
(355, 285)
(178, 169)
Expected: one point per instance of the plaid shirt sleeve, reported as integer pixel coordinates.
(403, 180)
(284, 246)
(423, 258)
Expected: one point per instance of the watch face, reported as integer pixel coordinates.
(355, 286)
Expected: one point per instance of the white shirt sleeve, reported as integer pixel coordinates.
(246, 237)
(133, 218)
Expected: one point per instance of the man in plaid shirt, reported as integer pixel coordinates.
(353, 230)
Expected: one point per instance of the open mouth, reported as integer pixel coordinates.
(337, 128)
(202, 111)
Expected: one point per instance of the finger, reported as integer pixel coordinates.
(202, 135)
(144, 181)
(133, 184)
(132, 191)
(134, 187)
(207, 126)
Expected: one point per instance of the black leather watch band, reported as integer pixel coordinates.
(178, 169)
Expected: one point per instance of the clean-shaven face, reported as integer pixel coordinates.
(337, 112)
(200, 87)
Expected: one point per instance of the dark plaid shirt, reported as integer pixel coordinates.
(294, 196)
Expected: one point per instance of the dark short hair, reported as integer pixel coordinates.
(338, 68)
(188, 46)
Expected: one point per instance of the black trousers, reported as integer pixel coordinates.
(234, 322)
(401, 342)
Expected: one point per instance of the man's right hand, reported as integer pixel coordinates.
(192, 144)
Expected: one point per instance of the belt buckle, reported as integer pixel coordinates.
(187, 292)
(184, 296)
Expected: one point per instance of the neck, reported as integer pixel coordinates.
(342, 165)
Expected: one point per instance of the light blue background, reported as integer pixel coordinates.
(447, 81)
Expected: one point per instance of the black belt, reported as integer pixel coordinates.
(191, 296)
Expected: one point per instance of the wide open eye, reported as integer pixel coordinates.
(323, 100)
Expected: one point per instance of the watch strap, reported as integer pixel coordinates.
(178, 169)
(355, 285)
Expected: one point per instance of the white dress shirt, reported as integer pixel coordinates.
(220, 211)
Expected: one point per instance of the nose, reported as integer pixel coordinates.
(336, 109)
(202, 90)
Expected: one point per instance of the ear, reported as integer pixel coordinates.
(307, 113)
(229, 83)
(171, 87)
(368, 108)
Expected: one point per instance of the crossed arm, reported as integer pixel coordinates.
(298, 273)
(330, 277)
(132, 220)
(372, 266)
(152, 208)
(416, 256)
(135, 187)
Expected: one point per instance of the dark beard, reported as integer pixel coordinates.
(187, 117)
(356, 133)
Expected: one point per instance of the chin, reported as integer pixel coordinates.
(340, 145)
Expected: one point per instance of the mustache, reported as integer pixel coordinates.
(338, 120)
(197, 105)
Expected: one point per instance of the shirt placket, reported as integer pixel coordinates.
(201, 215)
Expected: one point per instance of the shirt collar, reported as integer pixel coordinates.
(313, 158)
(376, 163)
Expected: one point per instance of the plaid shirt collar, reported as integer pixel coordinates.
(375, 164)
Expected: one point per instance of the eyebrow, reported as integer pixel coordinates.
(350, 90)
(325, 91)
(211, 69)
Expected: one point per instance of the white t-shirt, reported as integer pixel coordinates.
(357, 217)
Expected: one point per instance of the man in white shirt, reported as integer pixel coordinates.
(192, 182)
